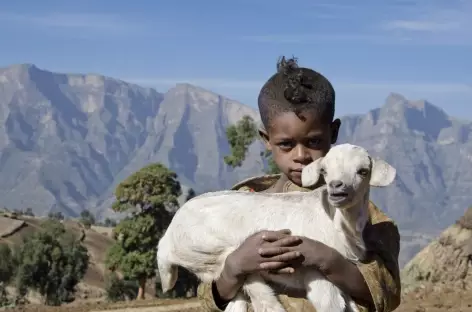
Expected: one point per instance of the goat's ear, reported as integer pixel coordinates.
(383, 174)
(311, 173)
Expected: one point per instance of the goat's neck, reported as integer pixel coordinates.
(351, 222)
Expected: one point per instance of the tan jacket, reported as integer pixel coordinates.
(380, 271)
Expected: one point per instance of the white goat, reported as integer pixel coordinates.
(209, 227)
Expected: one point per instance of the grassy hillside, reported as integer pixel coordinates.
(91, 291)
(97, 241)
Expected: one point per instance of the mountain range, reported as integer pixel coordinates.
(67, 140)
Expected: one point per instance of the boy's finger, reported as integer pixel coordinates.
(276, 266)
(272, 236)
(287, 241)
(286, 270)
(285, 257)
(273, 251)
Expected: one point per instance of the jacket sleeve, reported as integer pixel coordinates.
(206, 299)
(381, 271)
(205, 290)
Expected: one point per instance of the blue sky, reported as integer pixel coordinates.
(421, 48)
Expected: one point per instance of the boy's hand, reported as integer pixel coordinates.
(313, 254)
(250, 258)
(263, 251)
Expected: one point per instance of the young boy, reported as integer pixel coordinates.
(297, 111)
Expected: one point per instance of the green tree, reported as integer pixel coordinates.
(29, 212)
(7, 271)
(271, 165)
(7, 264)
(109, 222)
(18, 212)
(240, 136)
(56, 215)
(87, 218)
(150, 194)
(52, 262)
(190, 194)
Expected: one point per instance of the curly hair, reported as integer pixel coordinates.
(296, 89)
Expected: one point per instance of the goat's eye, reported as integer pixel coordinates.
(322, 171)
(363, 172)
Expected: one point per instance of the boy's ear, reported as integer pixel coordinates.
(335, 125)
(265, 138)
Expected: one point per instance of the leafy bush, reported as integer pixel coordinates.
(52, 262)
(118, 289)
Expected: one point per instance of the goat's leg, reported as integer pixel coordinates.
(263, 298)
(323, 294)
(238, 304)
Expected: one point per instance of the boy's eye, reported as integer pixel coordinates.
(285, 145)
(315, 142)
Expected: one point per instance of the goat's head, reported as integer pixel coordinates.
(348, 171)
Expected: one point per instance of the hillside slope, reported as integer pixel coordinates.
(444, 263)
(439, 277)
(97, 241)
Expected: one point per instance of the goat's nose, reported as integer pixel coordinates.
(336, 184)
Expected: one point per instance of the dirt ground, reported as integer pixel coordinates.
(187, 305)
(448, 300)
(420, 301)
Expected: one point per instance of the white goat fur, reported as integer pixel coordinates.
(209, 227)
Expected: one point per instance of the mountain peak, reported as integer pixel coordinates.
(394, 97)
(21, 68)
(397, 99)
(188, 87)
(24, 66)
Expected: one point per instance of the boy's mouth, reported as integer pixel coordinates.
(296, 172)
(299, 170)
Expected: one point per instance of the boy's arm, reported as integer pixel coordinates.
(381, 271)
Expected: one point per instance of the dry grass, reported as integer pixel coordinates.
(423, 300)
(141, 306)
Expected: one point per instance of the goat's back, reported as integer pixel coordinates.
(218, 220)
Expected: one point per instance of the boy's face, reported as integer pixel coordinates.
(297, 141)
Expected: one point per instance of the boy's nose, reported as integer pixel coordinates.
(302, 155)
